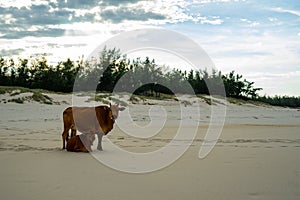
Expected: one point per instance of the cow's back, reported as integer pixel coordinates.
(85, 119)
(88, 119)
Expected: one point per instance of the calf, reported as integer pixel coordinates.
(81, 143)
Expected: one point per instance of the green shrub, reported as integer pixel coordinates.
(18, 100)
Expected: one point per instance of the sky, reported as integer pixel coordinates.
(259, 39)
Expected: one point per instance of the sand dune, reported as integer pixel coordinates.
(255, 157)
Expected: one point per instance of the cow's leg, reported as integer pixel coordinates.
(99, 147)
(73, 131)
(65, 138)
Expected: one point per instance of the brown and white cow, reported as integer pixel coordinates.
(89, 120)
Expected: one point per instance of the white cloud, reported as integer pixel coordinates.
(271, 76)
(215, 20)
(272, 19)
(57, 49)
(23, 3)
(8, 18)
(249, 22)
(216, 1)
(173, 10)
(254, 24)
(82, 12)
(281, 10)
(268, 60)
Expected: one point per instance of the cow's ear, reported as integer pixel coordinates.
(122, 108)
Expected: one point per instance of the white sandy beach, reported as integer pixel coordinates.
(256, 156)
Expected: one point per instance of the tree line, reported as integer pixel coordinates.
(113, 71)
(38, 74)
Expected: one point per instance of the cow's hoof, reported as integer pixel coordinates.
(100, 148)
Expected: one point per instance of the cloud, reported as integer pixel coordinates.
(25, 19)
(213, 21)
(11, 52)
(267, 59)
(43, 18)
(250, 23)
(129, 14)
(155, 12)
(281, 10)
(217, 1)
(118, 2)
(276, 75)
(77, 4)
(20, 4)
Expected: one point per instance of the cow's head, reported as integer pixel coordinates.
(115, 110)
